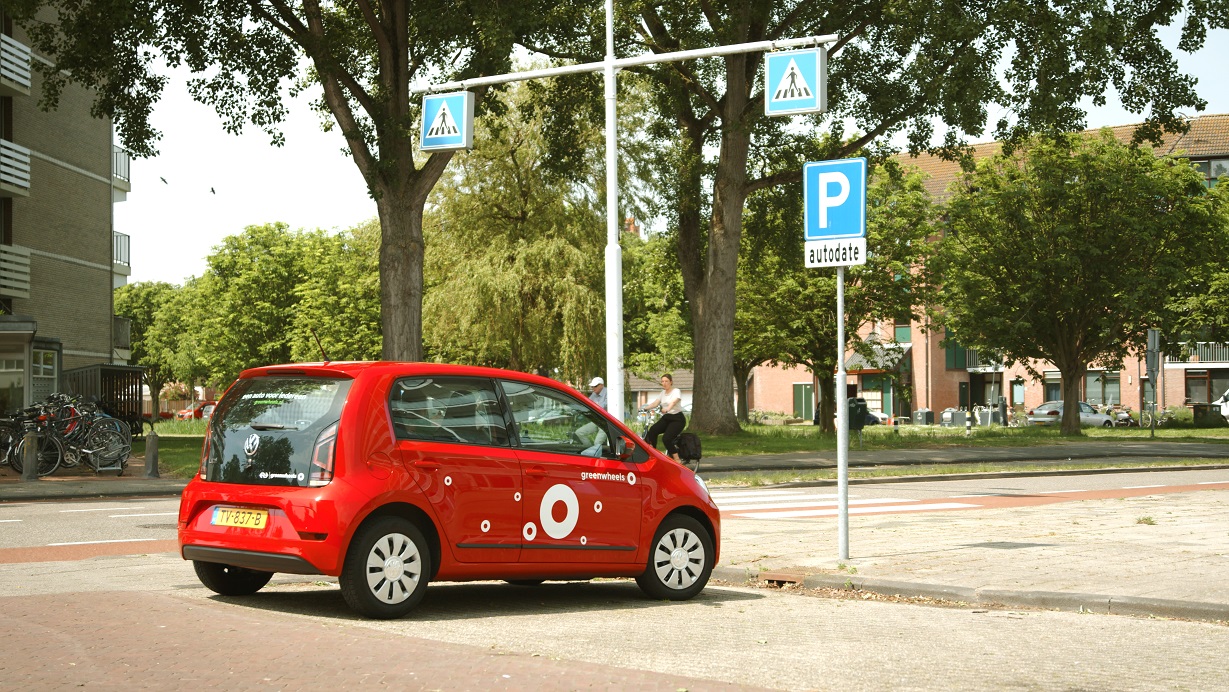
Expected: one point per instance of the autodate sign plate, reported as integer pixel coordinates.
(835, 253)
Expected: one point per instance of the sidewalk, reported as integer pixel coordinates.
(1085, 556)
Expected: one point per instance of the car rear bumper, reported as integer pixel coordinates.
(303, 534)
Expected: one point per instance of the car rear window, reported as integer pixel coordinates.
(265, 429)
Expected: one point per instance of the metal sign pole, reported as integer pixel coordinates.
(842, 423)
(614, 253)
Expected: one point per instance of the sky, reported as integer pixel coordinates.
(206, 184)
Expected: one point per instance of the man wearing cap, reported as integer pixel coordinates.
(599, 392)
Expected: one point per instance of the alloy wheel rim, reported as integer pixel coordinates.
(394, 568)
(678, 558)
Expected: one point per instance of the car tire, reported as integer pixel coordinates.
(387, 569)
(228, 580)
(680, 560)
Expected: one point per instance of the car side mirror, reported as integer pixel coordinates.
(623, 448)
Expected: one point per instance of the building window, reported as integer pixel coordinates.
(1203, 386)
(956, 357)
(1102, 388)
(1212, 170)
(903, 330)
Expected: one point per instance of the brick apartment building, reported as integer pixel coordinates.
(59, 257)
(914, 361)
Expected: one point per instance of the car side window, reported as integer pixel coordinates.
(551, 421)
(447, 409)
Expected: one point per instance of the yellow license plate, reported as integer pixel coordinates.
(241, 517)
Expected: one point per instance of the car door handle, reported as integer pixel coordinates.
(535, 471)
(427, 465)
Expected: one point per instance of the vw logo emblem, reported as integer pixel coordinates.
(251, 444)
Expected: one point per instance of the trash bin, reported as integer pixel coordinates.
(952, 418)
(1207, 416)
(923, 416)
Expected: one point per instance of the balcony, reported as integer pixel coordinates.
(14, 67)
(1200, 352)
(14, 271)
(121, 183)
(14, 170)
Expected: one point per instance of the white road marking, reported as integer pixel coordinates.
(154, 514)
(100, 509)
(117, 540)
(1139, 487)
(886, 509)
(796, 505)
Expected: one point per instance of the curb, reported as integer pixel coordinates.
(1049, 600)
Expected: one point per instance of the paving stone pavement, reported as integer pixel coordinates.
(1090, 547)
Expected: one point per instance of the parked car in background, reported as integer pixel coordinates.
(1051, 413)
(393, 475)
(196, 410)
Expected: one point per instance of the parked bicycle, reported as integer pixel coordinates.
(68, 432)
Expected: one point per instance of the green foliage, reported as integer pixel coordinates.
(1069, 250)
(515, 258)
(140, 303)
(339, 297)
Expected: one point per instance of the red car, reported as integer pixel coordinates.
(391, 475)
(197, 409)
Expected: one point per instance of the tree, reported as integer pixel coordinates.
(515, 263)
(798, 304)
(895, 68)
(363, 55)
(140, 303)
(1070, 249)
(339, 297)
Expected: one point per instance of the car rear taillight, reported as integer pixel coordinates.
(322, 457)
(205, 452)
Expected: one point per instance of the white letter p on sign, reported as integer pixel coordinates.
(825, 200)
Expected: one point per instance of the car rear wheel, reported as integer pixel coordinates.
(680, 561)
(387, 568)
(229, 580)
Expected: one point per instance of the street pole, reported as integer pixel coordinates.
(842, 423)
(614, 253)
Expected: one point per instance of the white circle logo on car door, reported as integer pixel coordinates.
(564, 494)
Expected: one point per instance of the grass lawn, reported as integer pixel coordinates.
(776, 439)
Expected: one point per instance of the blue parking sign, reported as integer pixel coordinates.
(834, 199)
(447, 121)
(796, 81)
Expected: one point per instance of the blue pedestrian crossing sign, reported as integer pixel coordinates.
(796, 81)
(447, 121)
(834, 212)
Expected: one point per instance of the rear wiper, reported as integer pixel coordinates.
(269, 426)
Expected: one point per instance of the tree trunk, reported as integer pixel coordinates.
(742, 373)
(712, 300)
(1072, 377)
(402, 250)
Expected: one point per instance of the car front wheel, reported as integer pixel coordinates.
(386, 570)
(680, 561)
(229, 580)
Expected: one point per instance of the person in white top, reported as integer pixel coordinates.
(672, 420)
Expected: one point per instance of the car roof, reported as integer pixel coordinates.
(353, 369)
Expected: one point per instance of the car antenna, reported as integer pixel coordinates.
(322, 353)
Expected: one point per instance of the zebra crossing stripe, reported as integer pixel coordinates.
(882, 509)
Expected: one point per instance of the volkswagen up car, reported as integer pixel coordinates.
(392, 475)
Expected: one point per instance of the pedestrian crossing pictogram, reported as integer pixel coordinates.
(792, 85)
(444, 125)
